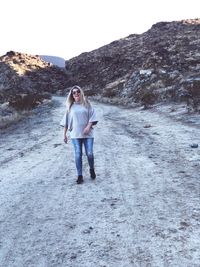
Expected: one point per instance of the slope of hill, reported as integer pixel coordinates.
(162, 64)
(25, 82)
(25, 76)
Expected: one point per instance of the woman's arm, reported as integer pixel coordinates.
(65, 135)
(92, 116)
(88, 128)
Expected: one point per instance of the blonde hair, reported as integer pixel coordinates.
(70, 99)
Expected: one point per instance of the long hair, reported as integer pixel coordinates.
(70, 100)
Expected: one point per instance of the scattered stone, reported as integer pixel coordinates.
(73, 257)
(147, 125)
(182, 171)
(55, 145)
(194, 145)
(88, 231)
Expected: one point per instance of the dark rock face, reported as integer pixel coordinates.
(162, 64)
(26, 80)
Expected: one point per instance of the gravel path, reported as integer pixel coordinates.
(142, 210)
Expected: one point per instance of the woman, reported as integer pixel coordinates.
(80, 118)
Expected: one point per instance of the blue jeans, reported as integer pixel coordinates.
(78, 144)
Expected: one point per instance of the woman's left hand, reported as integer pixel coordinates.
(87, 130)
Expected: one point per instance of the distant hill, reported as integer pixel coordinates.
(58, 61)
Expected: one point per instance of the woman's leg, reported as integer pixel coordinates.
(88, 144)
(78, 154)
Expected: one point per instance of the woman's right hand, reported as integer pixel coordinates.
(65, 139)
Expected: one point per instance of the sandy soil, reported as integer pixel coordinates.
(142, 210)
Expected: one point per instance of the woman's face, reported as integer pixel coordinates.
(76, 94)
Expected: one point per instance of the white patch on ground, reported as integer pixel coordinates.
(142, 210)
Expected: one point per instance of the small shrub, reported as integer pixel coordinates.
(148, 99)
(192, 95)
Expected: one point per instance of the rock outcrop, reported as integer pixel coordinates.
(25, 80)
(162, 64)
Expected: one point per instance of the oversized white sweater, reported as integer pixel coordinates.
(78, 118)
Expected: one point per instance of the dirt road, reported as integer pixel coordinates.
(142, 210)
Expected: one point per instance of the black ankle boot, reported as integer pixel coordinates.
(80, 179)
(92, 174)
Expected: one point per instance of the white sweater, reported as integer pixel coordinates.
(78, 118)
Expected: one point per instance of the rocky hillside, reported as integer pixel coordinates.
(162, 64)
(26, 80)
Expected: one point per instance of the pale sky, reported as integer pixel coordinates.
(67, 28)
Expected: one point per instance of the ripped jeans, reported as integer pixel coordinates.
(78, 144)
